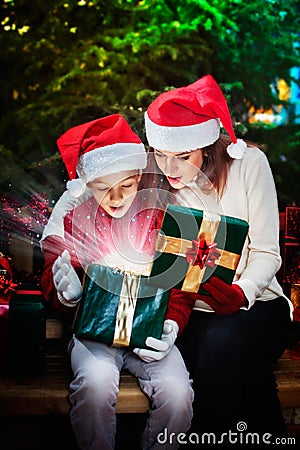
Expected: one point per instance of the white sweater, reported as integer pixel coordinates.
(250, 194)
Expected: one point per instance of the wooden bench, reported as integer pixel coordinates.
(48, 392)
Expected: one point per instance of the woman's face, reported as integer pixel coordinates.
(116, 192)
(179, 168)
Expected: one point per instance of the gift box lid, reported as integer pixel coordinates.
(183, 227)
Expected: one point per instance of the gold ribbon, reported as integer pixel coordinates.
(177, 246)
(126, 308)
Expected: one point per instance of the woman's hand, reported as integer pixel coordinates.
(225, 298)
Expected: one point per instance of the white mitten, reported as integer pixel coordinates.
(66, 281)
(63, 206)
(162, 346)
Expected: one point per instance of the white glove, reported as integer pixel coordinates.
(63, 206)
(163, 345)
(66, 281)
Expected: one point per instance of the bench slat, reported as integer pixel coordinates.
(48, 393)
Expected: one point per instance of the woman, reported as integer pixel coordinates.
(234, 336)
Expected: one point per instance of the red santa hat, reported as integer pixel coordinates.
(99, 148)
(188, 118)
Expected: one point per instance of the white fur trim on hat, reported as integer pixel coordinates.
(183, 138)
(111, 159)
(76, 187)
(237, 150)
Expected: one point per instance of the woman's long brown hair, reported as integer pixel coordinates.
(215, 167)
(155, 186)
(216, 163)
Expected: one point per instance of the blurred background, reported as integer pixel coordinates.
(67, 62)
(63, 63)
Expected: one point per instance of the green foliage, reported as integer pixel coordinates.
(66, 62)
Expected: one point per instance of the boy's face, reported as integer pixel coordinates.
(116, 192)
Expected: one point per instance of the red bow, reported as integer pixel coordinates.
(202, 254)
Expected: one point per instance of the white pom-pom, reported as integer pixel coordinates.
(76, 187)
(236, 151)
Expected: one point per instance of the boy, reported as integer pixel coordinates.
(114, 226)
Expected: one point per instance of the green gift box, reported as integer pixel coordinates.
(26, 332)
(119, 308)
(213, 243)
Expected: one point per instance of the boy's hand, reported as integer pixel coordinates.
(66, 281)
(162, 346)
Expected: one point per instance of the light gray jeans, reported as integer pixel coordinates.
(93, 394)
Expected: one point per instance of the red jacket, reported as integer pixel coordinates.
(91, 235)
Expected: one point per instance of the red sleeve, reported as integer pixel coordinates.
(53, 246)
(180, 307)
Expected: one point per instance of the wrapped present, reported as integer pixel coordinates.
(26, 332)
(192, 245)
(4, 306)
(290, 262)
(290, 249)
(119, 308)
(292, 222)
(7, 287)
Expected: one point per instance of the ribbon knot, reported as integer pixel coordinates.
(202, 254)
